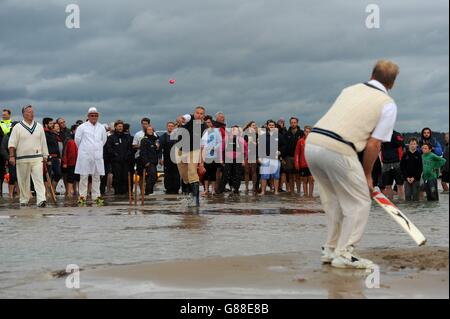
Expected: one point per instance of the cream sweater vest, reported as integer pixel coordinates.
(354, 115)
(29, 142)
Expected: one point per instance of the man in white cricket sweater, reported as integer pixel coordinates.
(361, 118)
(28, 152)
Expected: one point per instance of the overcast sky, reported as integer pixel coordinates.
(252, 59)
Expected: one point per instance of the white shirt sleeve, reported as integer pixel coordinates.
(385, 127)
(135, 139)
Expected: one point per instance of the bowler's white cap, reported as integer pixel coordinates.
(92, 110)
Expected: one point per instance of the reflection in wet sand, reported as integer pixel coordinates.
(344, 283)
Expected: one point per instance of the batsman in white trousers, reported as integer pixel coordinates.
(344, 195)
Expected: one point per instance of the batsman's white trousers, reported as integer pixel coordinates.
(30, 168)
(95, 191)
(344, 195)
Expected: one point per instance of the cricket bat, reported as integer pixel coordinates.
(399, 217)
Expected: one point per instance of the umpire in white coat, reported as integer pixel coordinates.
(90, 138)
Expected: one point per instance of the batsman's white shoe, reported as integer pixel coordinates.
(327, 255)
(351, 250)
(349, 260)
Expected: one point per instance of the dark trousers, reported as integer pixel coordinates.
(120, 177)
(172, 181)
(232, 174)
(150, 179)
(431, 189)
(55, 169)
(103, 182)
(185, 188)
(412, 191)
(2, 174)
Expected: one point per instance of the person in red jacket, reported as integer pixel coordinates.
(302, 166)
(69, 162)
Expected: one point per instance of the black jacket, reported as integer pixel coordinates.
(118, 148)
(411, 165)
(392, 152)
(291, 140)
(52, 144)
(189, 126)
(282, 131)
(4, 151)
(1, 136)
(65, 135)
(166, 145)
(149, 152)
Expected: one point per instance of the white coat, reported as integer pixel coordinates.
(90, 140)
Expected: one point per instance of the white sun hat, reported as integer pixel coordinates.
(92, 110)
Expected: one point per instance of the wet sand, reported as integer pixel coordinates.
(231, 247)
(405, 273)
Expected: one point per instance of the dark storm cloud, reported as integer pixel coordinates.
(251, 59)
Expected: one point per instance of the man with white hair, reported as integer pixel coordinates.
(28, 152)
(90, 138)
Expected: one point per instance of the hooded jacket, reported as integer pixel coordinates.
(411, 165)
(437, 148)
(291, 140)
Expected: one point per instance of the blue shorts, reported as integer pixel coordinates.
(275, 175)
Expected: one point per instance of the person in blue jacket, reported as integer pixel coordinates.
(426, 137)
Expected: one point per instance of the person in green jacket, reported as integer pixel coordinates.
(431, 165)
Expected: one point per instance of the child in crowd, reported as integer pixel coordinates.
(411, 166)
(431, 165)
